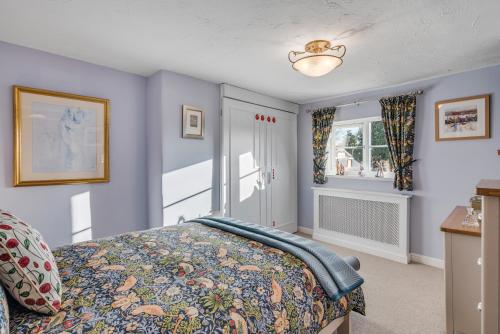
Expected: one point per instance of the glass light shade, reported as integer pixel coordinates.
(316, 66)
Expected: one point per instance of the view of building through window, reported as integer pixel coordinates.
(349, 146)
(359, 148)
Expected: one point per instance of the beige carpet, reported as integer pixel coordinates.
(400, 299)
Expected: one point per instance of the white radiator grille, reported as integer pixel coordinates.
(375, 223)
(373, 220)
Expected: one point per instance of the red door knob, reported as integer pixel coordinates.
(274, 119)
(257, 117)
(261, 117)
(269, 118)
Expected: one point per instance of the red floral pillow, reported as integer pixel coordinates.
(27, 267)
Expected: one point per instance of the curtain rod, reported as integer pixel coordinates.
(357, 103)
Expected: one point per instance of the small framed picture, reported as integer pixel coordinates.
(193, 122)
(463, 118)
(59, 138)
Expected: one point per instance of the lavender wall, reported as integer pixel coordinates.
(154, 103)
(446, 172)
(117, 206)
(189, 167)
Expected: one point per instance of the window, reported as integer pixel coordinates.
(360, 147)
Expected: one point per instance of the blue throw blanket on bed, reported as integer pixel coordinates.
(335, 276)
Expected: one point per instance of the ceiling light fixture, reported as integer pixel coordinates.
(319, 58)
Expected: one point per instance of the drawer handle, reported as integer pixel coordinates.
(479, 307)
(479, 261)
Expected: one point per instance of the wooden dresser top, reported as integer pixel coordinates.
(488, 188)
(453, 223)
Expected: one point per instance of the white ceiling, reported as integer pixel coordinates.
(246, 42)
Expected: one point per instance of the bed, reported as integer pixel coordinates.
(188, 278)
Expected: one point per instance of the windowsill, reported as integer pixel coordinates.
(367, 178)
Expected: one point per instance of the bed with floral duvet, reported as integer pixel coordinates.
(188, 278)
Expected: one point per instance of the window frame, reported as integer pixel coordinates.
(365, 124)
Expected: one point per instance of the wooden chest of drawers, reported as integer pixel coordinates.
(462, 274)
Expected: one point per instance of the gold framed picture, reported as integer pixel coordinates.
(462, 119)
(193, 122)
(59, 138)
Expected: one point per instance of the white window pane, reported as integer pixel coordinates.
(358, 145)
(350, 158)
(377, 133)
(349, 136)
(380, 156)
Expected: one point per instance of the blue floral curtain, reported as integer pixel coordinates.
(398, 115)
(322, 120)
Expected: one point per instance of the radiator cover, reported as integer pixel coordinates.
(375, 223)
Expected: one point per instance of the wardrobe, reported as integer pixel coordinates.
(259, 159)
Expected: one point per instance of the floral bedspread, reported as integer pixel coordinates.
(188, 278)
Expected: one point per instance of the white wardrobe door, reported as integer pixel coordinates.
(262, 164)
(284, 172)
(247, 195)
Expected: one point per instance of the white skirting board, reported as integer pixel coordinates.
(427, 260)
(415, 258)
(364, 246)
(290, 228)
(305, 230)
